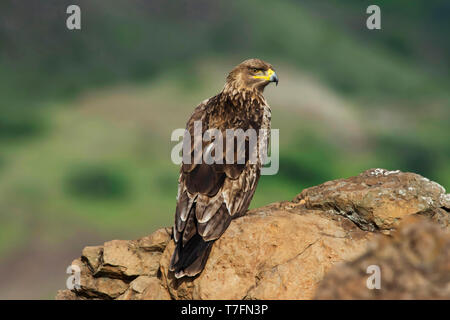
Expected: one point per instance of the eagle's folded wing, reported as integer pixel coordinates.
(209, 197)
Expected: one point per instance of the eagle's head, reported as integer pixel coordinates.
(251, 75)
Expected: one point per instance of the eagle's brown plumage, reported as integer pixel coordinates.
(210, 196)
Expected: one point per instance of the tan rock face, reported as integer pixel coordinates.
(121, 269)
(269, 255)
(281, 251)
(98, 287)
(413, 264)
(145, 288)
(123, 258)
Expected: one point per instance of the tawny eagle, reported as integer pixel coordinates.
(211, 195)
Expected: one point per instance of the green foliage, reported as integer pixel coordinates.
(308, 162)
(408, 154)
(20, 125)
(137, 41)
(96, 182)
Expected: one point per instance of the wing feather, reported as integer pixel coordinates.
(206, 207)
(210, 197)
(216, 226)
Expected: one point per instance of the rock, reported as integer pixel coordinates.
(125, 259)
(280, 251)
(157, 241)
(120, 269)
(274, 253)
(145, 288)
(91, 255)
(98, 287)
(66, 295)
(413, 264)
(445, 201)
(377, 199)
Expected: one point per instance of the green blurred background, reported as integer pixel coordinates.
(86, 116)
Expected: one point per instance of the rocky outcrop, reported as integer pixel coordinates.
(280, 251)
(120, 269)
(413, 264)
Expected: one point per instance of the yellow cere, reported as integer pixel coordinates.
(270, 72)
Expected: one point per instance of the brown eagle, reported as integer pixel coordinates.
(211, 195)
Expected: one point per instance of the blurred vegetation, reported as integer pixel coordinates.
(86, 116)
(96, 182)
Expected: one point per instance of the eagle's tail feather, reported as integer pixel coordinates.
(189, 260)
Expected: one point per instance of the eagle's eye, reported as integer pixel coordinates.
(255, 70)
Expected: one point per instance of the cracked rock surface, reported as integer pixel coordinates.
(280, 251)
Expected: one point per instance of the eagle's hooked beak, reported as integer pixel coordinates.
(270, 76)
(273, 77)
